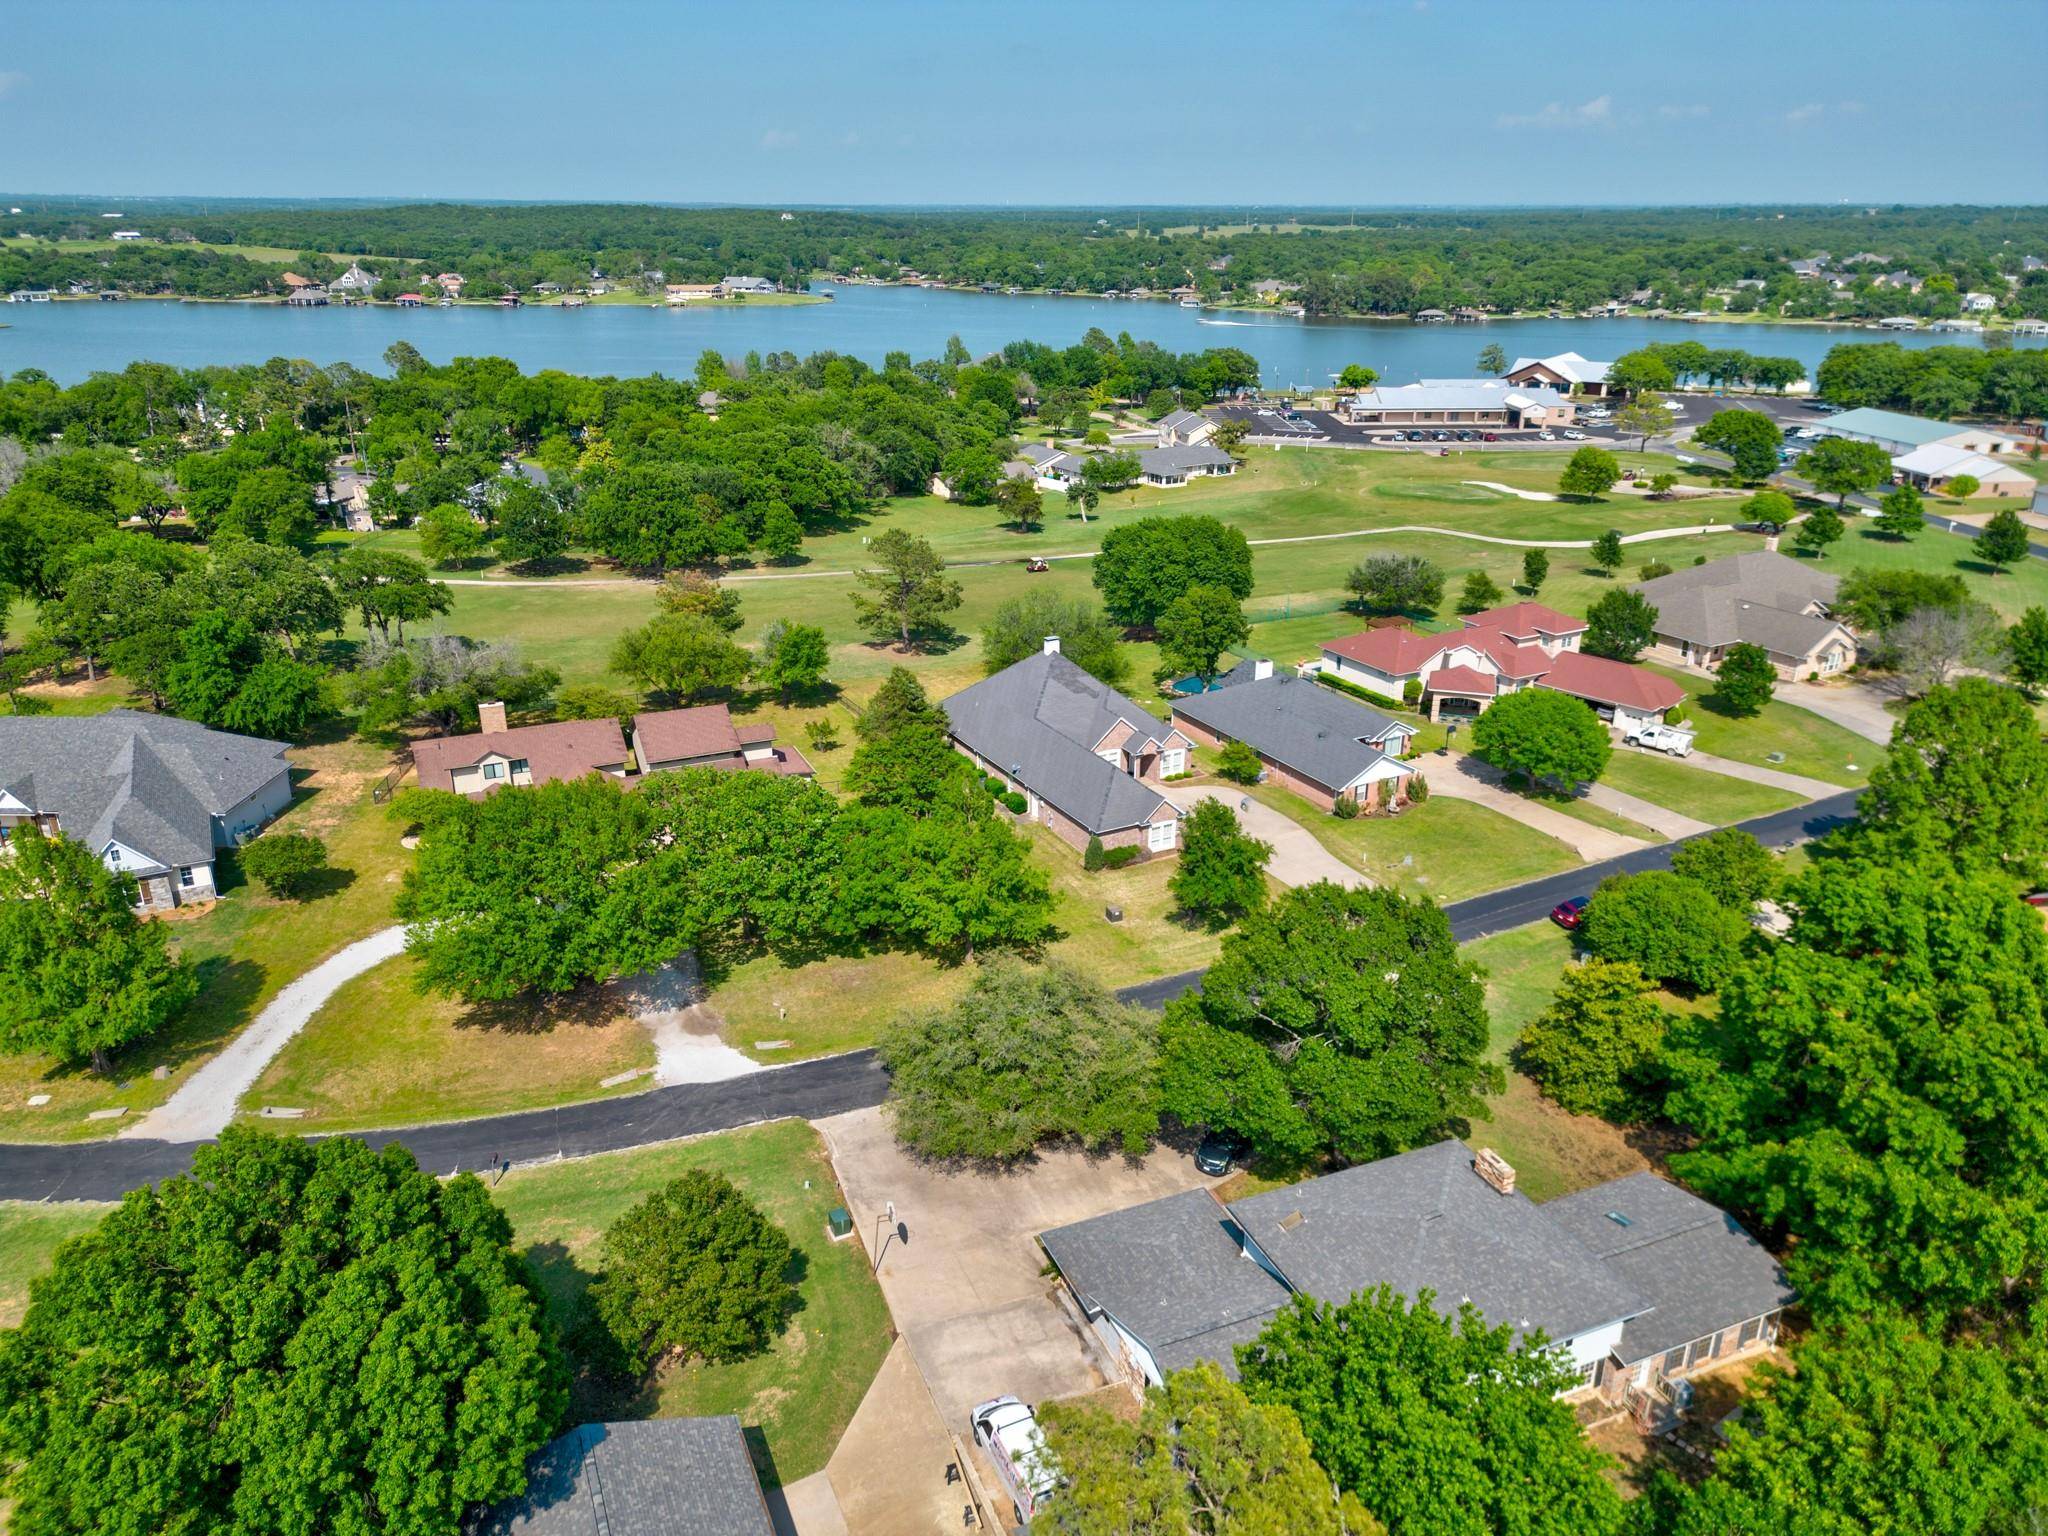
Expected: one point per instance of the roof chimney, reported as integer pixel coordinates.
(1495, 1169)
(1262, 668)
(1052, 645)
(491, 717)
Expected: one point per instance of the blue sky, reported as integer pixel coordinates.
(1176, 101)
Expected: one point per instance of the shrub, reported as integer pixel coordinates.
(695, 1269)
(1345, 808)
(1418, 788)
(1411, 692)
(1593, 1050)
(1239, 763)
(285, 863)
(1093, 858)
(994, 785)
(1650, 570)
(1345, 685)
(1014, 803)
(1117, 858)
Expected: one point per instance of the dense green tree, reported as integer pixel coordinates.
(1900, 511)
(80, 974)
(1871, 1089)
(1620, 625)
(912, 769)
(1607, 552)
(1396, 584)
(693, 595)
(225, 677)
(1221, 873)
(1666, 926)
(1817, 530)
(1357, 376)
(1197, 628)
(680, 656)
(1745, 679)
(1020, 627)
(272, 505)
(782, 536)
(1479, 592)
(533, 527)
(1751, 439)
(1772, 507)
(693, 1272)
(287, 864)
(2026, 646)
(952, 885)
(898, 702)
(388, 588)
(1144, 565)
(1594, 1048)
(1876, 601)
(2003, 542)
(549, 889)
(1239, 763)
(1022, 505)
(1646, 416)
(1535, 570)
(1963, 487)
(1730, 864)
(449, 535)
(300, 1335)
(972, 476)
(1877, 1427)
(1344, 1020)
(1027, 1054)
(1841, 467)
(1640, 373)
(1112, 471)
(1441, 1426)
(904, 593)
(1966, 778)
(1542, 734)
(1201, 1460)
(792, 658)
(1590, 472)
(1492, 359)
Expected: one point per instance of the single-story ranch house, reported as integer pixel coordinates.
(1759, 598)
(1185, 429)
(1459, 403)
(1175, 465)
(1318, 743)
(1500, 650)
(1934, 466)
(644, 1477)
(1895, 432)
(1086, 759)
(497, 756)
(154, 796)
(1565, 372)
(1637, 1282)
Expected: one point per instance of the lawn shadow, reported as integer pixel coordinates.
(530, 1013)
(322, 883)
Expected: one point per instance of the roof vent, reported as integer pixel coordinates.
(1619, 1220)
(1290, 1221)
(1052, 645)
(1498, 1172)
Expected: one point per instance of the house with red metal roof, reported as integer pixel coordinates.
(1499, 650)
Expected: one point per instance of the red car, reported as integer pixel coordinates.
(1569, 914)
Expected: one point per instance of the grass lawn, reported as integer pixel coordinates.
(1695, 792)
(840, 1004)
(2022, 586)
(29, 1237)
(1592, 815)
(381, 1053)
(247, 946)
(1431, 849)
(1807, 744)
(797, 1398)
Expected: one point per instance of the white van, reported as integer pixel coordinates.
(1009, 1432)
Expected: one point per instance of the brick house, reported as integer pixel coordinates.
(1313, 740)
(499, 756)
(705, 737)
(1086, 759)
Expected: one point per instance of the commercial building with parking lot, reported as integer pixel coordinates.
(1459, 403)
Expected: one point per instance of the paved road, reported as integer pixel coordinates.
(1518, 905)
(832, 1085)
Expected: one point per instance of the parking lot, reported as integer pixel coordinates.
(1277, 424)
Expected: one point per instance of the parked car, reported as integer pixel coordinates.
(1466, 436)
(1442, 437)
(1546, 435)
(1009, 1432)
(1489, 437)
(1668, 739)
(1217, 1152)
(1414, 437)
(2036, 898)
(1574, 435)
(1570, 913)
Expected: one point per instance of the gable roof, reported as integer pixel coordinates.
(561, 749)
(1426, 1220)
(1518, 620)
(1392, 651)
(1700, 1270)
(1181, 421)
(1458, 395)
(1605, 681)
(650, 1477)
(1174, 1274)
(1892, 426)
(705, 731)
(1039, 719)
(1566, 365)
(1176, 459)
(1308, 729)
(1760, 596)
(153, 783)
(1944, 461)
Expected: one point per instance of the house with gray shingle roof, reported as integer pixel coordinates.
(154, 796)
(1087, 760)
(1178, 464)
(1185, 429)
(1319, 743)
(1758, 598)
(649, 1477)
(1635, 1281)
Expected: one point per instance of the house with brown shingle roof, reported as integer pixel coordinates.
(705, 737)
(498, 755)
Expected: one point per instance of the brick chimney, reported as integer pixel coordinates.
(1495, 1169)
(491, 717)
(1052, 645)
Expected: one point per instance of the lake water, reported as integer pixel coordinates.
(71, 340)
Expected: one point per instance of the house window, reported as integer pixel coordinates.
(1159, 836)
(186, 878)
(494, 770)
(520, 765)
(1173, 760)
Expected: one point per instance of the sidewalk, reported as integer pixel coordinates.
(1464, 777)
(1776, 778)
(1669, 824)
(1298, 859)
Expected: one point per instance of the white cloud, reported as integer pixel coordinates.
(1849, 108)
(1799, 117)
(9, 79)
(779, 138)
(1675, 112)
(1597, 113)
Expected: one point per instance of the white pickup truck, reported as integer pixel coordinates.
(1008, 1431)
(1668, 739)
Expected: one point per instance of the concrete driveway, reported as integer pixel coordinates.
(1854, 706)
(962, 1270)
(1298, 859)
(1462, 776)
